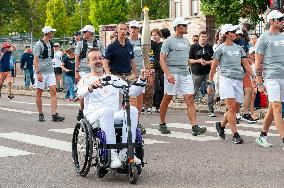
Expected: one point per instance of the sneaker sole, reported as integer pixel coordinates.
(164, 132)
(200, 133)
(263, 145)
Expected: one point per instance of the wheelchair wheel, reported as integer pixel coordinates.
(133, 174)
(82, 148)
(101, 172)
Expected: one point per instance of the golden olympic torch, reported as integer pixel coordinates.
(146, 38)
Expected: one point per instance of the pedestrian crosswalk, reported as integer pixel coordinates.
(178, 131)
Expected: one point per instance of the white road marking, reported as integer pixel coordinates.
(18, 111)
(70, 131)
(253, 126)
(38, 140)
(9, 152)
(186, 136)
(44, 104)
(212, 129)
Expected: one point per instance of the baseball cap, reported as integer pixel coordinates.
(6, 45)
(228, 27)
(180, 21)
(88, 28)
(134, 23)
(47, 29)
(274, 14)
(56, 44)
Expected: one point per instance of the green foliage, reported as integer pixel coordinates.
(158, 9)
(56, 17)
(108, 12)
(75, 20)
(230, 11)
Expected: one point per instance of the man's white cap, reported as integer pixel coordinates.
(228, 27)
(179, 21)
(134, 23)
(56, 44)
(88, 28)
(47, 29)
(274, 14)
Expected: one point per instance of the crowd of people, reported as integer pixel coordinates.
(234, 70)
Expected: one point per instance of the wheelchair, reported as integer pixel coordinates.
(89, 148)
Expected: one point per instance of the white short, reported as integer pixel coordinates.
(231, 89)
(275, 89)
(183, 85)
(48, 80)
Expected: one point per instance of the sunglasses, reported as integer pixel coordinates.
(280, 19)
(195, 40)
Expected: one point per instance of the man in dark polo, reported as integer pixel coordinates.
(119, 56)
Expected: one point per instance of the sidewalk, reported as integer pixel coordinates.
(177, 103)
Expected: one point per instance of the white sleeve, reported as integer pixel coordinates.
(136, 90)
(83, 89)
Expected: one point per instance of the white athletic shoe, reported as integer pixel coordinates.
(115, 162)
(123, 156)
(262, 141)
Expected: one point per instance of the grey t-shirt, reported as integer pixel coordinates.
(138, 54)
(45, 65)
(84, 67)
(177, 53)
(230, 60)
(272, 48)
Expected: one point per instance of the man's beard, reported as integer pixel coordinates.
(97, 69)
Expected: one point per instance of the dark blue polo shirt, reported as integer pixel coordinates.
(5, 62)
(119, 57)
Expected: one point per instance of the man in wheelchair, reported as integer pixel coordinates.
(103, 104)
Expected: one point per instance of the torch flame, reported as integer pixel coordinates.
(145, 8)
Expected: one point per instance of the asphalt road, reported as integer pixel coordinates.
(34, 154)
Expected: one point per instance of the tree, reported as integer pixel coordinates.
(230, 11)
(22, 16)
(56, 17)
(75, 20)
(108, 12)
(158, 9)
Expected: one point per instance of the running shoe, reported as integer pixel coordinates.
(248, 118)
(220, 130)
(57, 118)
(236, 139)
(41, 117)
(212, 114)
(196, 130)
(164, 129)
(10, 96)
(262, 141)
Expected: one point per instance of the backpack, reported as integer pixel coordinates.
(44, 53)
(84, 50)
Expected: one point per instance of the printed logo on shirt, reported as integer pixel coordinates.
(279, 43)
(233, 53)
(182, 45)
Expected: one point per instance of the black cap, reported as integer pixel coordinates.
(77, 33)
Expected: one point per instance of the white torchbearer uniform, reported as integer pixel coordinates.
(104, 105)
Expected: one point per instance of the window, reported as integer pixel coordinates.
(177, 9)
(194, 7)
